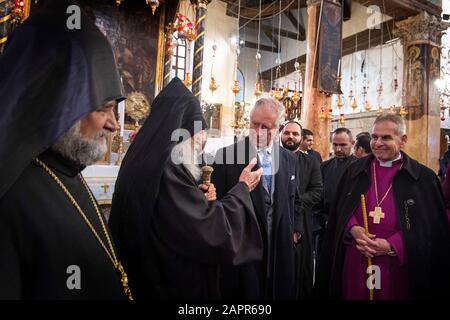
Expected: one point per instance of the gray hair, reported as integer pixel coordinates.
(396, 119)
(272, 104)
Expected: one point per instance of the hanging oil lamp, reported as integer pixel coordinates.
(403, 112)
(341, 119)
(279, 94)
(213, 85)
(380, 109)
(258, 90)
(367, 106)
(236, 87)
(154, 4)
(322, 113)
(187, 79)
(354, 104)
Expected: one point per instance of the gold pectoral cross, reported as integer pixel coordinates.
(377, 215)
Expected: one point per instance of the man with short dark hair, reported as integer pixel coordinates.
(310, 189)
(401, 226)
(332, 169)
(307, 144)
(362, 145)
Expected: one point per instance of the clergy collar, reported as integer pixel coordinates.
(388, 164)
(409, 165)
(61, 164)
(304, 152)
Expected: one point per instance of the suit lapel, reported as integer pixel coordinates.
(281, 186)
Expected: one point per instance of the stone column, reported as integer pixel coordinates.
(421, 38)
(197, 73)
(5, 22)
(313, 100)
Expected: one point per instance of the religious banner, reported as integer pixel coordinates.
(330, 48)
(422, 68)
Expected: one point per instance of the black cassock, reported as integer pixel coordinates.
(169, 237)
(43, 239)
(51, 77)
(191, 236)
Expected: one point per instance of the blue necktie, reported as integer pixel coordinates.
(267, 170)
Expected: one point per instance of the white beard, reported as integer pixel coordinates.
(184, 154)
(85, 151)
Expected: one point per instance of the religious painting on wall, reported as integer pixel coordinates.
(133, 33)
(415, 80)
(330, 47)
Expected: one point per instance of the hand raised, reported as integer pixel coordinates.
(249, 177)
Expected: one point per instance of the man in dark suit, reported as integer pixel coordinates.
(310, 191)
(307, 144)
(276, 204)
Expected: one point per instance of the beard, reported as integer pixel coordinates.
(76, 147)
(189, 156)
(290, 145)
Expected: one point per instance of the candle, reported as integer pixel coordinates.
(121, 111)
(339, 68)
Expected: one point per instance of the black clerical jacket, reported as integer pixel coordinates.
(423, 222)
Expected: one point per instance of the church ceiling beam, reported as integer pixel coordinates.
(295, 23)
(284, 33)
(402, 9)
(262, 47)
(348, 47)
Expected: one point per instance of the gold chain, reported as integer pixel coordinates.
(111, 255)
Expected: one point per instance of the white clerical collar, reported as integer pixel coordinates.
(305, 152)
(388, 164)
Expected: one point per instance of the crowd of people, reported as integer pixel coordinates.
(274, 222)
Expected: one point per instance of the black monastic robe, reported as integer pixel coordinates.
(43, 238)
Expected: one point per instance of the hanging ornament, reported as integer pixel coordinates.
(154, 4)
(392, 109)
(380, 88)
(279, 94)
(18, 12)
(185, 28)
(403, 112)
(236, 87)
(322, 113)
(340, 101)
(342, 119)
(395, 84)
(296, 96)
(367, 106)
(350, 95)
(171, 45)
(354, 104)
(213, 85)
(170, 42)
(187, 79)
(380, 109)
(258, 89)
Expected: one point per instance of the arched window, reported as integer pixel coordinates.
(179, 59)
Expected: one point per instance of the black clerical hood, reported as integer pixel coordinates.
(51, 76)
(138, 183)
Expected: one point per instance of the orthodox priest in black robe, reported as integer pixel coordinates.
(58, 88)
(170, 238)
